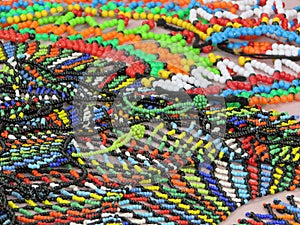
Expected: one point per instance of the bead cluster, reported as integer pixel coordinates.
(178, 134)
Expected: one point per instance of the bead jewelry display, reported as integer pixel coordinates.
(177, 133)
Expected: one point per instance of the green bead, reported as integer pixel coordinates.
(139, 9)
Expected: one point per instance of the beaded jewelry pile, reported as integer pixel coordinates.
(133, 112)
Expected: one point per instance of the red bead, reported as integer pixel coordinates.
(253, 176)
(276, 75)
(270, 80)
(207, 49)
(213, 20)
(183, 222)
(236, 6)
(240, 85)
(262, 2)
(248, 87)
(258, 77)
(264, 79)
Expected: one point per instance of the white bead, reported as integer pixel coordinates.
(191, 80)
(222, 80)
(269, 52)
(216, 78)
(275, 46)
(231, 64)
(187, 86)
(288, 53)
(295, 52)
(12, 137)
(218, 170)
(225, 184)
(53, 185)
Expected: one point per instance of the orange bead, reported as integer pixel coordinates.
(290, 97)
(264, 101)
(283, 99)
(276, 99)
(255, 100)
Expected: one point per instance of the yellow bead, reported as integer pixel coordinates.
(152, 188)
(164, 74)
(176, 201)
(44, 13)
(136, 16)
(53, 10)
(182, 135)
(183, 61)
(110, 165)
(190, 140)
(174, 20)
(179, 22)
(77, 6)
(247, 59)
(125, 167)
(199, 143)
(12, 205)
(143, 81)
(150, 16)
(209, 31)
(218, 57)
(143, 15)
(104, 13)
(189, 26)
(276, 19)
(128, 14)
(111, 13)
(156, 17)
(29, 16)
(138, 169)
(190, 62)
(87, 10)
(10, 20)
(60, 8)
(80, 161)
(172, 132)
(217, 27)
(279, 171)
(70, 7)
(16, 19)
(37, 15)
(186, 68)
(241, 60)
(265, 20)
(96, 196)
(31, 203)
(213, 59)
(237, 25)
(229, 24)
(94, 12)
(187, 207)
(184, 24)
(78, 199)
(23, 17)
(169, 19)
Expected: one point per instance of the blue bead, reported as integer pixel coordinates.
(257, 32)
